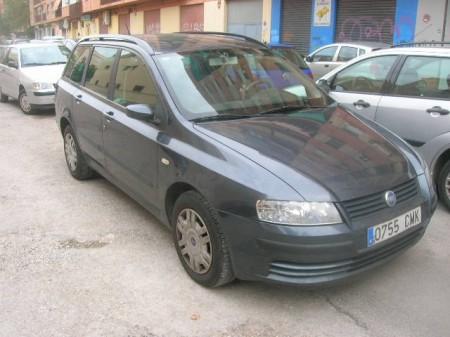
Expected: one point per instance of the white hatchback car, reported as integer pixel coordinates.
(329, 57)
(29, 72)
(406, 90)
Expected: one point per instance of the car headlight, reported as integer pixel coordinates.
(42, 86)
(297, 213)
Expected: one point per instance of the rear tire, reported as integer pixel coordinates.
(24, 103)
(75, 160)
(443, 185)
(201, 244)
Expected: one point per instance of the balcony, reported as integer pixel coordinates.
(75, 10)
(40, 17)
(107, 2)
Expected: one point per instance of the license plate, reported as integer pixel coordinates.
(391, 228)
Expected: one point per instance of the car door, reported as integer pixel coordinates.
(10, 83)
(417, 106)
(91, 102)
(130, 145)
(359, 86)
(322, 61)
(3, 66)
(345, 54)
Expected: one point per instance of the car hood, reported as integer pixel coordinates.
(44, 74)
(324, 154)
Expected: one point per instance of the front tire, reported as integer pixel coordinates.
(443, 185)
(200, 242)
(24, 103)
(76, 163)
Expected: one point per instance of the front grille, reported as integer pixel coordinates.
(360, 207)
(305, 271)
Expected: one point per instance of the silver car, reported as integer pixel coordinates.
(29, 72)
(331, 56)
(408, 91)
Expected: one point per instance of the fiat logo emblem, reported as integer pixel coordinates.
(390, 198)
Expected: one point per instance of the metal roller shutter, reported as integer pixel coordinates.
(365, 20)
(296, 23)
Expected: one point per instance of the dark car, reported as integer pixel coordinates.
(288, 51)
(259, 174)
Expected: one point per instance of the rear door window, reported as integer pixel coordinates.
(367, 76)
(325, 55)
(347, 53)
(423, 76)
(13, 56)
(76, 64)
(133, 84)
(98, 74)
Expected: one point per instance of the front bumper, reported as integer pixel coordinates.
(42, 100)
(318, 254)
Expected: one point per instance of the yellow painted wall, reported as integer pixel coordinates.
(267, 14)
(214, 17)
(137, 22)
(114, 27)
(170, 19)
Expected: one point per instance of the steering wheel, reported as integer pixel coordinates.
(362, 84)
(247, 88)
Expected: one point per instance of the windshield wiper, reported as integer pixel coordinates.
(222, 117)
(284, 109)
(34, 64)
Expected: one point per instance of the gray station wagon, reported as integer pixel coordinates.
(258, 174)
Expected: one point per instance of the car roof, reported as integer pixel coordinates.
(181, 42)
(281, 46)
(29, 45)
(359, 44)
(414, 51)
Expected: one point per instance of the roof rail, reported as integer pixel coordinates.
(242, 37)
(118, 38)
(423, 44)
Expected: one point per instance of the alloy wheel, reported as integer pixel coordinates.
(194, 241)
(24, 104)
(70, 150)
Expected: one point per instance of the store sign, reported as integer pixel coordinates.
(322, 13)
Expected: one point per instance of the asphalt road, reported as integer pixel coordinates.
(83, 259)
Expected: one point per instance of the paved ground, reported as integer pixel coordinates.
(83, 259)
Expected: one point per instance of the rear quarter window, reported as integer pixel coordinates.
(77, 63)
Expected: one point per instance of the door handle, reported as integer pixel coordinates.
(361, 103)
(110, 113)
(438, 110)
(78, 98)
(326, 65)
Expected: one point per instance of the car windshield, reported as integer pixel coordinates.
(236, 82)
(43, 55)
(292, 56)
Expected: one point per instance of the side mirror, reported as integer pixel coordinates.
(308, 59)
(13, 64)
(324, 85)
(141, 112)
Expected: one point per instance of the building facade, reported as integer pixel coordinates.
(307, 24)
(78, 18)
